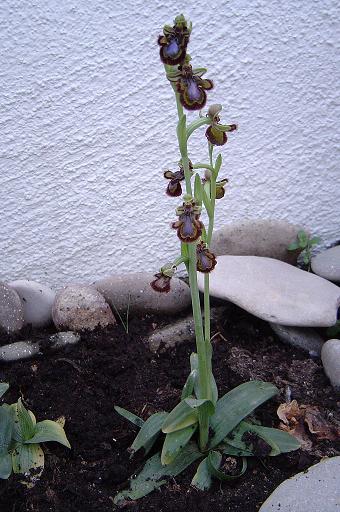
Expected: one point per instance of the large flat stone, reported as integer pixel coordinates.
(257, 237)
(11, 311)
(327, 264)
(37, 301)
(305, 338)
(275, 291)
(315, 490)
(134, 291)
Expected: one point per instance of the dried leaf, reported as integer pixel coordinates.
(319, 426)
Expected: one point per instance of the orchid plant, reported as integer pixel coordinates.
(201, 426)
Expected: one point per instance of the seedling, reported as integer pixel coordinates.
(305, 244)
(202, 426)
(20, 438)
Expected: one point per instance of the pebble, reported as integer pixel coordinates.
(37, 301)
(257, 237)
(274, 291)
(79, 307)
(315, 490)
(11, 311)
(330, 356)
(63, 339)
(19, 350)
(305, 338)
(121, 290)
(327, 264)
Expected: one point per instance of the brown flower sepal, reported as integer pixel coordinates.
(206, 260)
(189, 227)
(191, 87)
(174, 42)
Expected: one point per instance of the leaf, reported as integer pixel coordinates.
(49, 430)
(151, 428)
(202, 404)
(214, 462)
(175, 442)
(24, 422)
(132, 418)
(188, 387)
(5, 466)
(237, 405)
(306, 259)
(27, 458)
(6, 428)
(202, 479)
(218, 164)
(153, 474)
(303, 238)
(3, 388)
(207, 203)
(180, 417)
(182, 134)
(315, 240)
(293, 246)
(198, 189)
(228, 449)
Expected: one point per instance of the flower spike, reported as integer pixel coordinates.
(191, 87)
(216, 133)
(174, 188)
(189, 227)
(206, 260)
(174, 42)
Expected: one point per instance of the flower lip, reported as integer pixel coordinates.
(174, 42)
(192, 87)
(189, 227)
(206, 260)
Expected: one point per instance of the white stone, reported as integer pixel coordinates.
(78, 307)
(274, 291)
(315, 490)
(305, 338)
(330, 356)
(327, 264)
(18, 350)
(37, 301)
(134, 290)
(11, 311)
(63, 339)
(257, 237)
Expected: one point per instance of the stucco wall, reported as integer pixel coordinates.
(87, 126)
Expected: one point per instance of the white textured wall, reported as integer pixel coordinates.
(87, 125)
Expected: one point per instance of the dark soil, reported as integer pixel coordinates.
(110, 367)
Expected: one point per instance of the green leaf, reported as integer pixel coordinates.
(6, 428)
(184, 251)
(303, 238)
(214, 462)
(27, 458)
(306, 259)
(202, 404)
(278, 440)
(3, 388)
(207, 203)
(24, 422)
(237, 405)
(49, 430)
(188, 387)
(228, 449)
(218, 164)
(175, 442)
(198, 189)
(180, 417)
(5, 466)
(154, 474)
(202, 479)
(315, 240)
(293, 246)
(132, 418)
(151, 428)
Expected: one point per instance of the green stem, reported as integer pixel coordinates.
(203, 166)
(201, 121)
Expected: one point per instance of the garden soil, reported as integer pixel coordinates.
(109, 367)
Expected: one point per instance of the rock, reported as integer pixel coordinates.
(257, 237)
(330, 356)
(63, 339)
(305, 338)
(18, 350)
(11, 311)
(315, 490)
(78, 307)
(135, 290)
(327, 264)
(274, 291)
(37, 301)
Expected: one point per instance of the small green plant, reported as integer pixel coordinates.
(305, 244)
(20, 438)
(201, 426)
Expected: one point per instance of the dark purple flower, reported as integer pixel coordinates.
(161, 283)
(188, 226)
(191, 87)
(174, 188)
(220, 191)
(216, 133)
(174, 42)
(206, 260)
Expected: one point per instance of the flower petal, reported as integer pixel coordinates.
(215, 136)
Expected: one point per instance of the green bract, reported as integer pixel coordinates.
(201, 426)
(20, 438)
